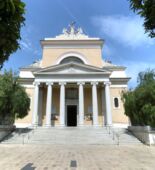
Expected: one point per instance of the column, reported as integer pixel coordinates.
(36, 100)
(81, 103)
(108, 104)
(95, 103)
(40, 107)
(49, 104)
(103, 107)
(62, 103)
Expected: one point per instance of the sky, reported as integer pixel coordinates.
(126, 43)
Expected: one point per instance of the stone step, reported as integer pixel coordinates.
(64, 136)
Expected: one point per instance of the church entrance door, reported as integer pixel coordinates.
(71, 115)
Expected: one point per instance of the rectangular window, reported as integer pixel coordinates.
(72, 93)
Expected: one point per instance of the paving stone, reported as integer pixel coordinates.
(89, 157)
(93, 150)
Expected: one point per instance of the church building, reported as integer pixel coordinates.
(72, 84)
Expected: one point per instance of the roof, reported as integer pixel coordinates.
(35, 66)
(71, 68)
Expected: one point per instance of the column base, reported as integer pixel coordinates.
(34, 125)
(109, 125)
(96, 125)
(48, 126)
(61, 125)
(80, 125)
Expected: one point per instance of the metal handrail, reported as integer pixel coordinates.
(115, 135)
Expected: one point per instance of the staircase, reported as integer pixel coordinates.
(123, 137)
(71, 135)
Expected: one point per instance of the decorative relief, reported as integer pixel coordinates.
(88, 117)
(71, 70)
(54, 116)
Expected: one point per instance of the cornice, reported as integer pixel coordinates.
(72, 42)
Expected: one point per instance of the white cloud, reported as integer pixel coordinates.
(26, 44)
(127, 30)
(133, 68)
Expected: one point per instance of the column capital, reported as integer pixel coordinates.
(80, 83)
(62, 83)
(36, 83)
(94, 83)
(107, 83)
(49, 83)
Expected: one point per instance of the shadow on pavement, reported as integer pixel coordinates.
(18, 132)
(29, 166)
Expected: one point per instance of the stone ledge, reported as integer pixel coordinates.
(5, 130)
(144, 133)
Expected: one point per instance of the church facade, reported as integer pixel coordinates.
(72, 85)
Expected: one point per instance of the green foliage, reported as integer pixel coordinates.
(146, 9)
(11, 21)
(146, 77)
(139, 104)
(14, 101)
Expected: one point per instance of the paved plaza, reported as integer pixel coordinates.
(76, 157)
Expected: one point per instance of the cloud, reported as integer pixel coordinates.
(133, 68)
(26, 44)
(127, 30)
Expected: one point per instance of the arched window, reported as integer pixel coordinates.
(116, 102)
(71, 59)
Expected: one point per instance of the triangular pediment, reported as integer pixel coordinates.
(71, 68)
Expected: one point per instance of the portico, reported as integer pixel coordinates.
(80, 85)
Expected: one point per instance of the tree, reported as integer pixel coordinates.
(139, 104)
(146, 9)
(11, 21)
(146, 77)
(14, 101)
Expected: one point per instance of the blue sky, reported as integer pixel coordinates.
(125, 40)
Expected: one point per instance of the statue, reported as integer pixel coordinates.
(65, 31)
(80, 31)
(72, 30)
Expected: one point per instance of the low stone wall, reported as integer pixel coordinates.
(144, 133)
(5, 130)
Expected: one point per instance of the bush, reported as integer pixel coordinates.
(14, 101)
(139, 103)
